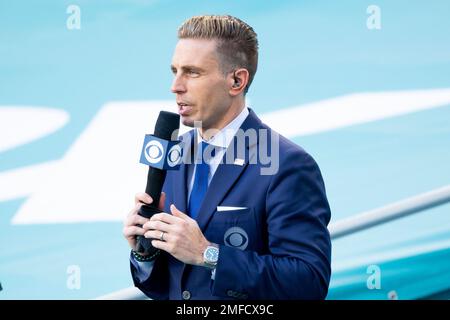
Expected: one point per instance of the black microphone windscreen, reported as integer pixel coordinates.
(166, 124)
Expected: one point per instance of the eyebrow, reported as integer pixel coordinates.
(188, 68)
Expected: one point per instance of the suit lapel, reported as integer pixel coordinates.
(226, 175)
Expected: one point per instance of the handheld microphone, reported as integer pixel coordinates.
(160, 153)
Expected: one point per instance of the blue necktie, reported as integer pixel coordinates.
(200, 185)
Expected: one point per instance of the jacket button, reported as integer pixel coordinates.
(186, 295)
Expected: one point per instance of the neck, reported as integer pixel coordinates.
(208, 132)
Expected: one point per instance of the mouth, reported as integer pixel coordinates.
(184, 109)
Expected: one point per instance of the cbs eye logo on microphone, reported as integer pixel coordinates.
(161, 154)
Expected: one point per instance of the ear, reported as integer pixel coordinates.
(238, 81)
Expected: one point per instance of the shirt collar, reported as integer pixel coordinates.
(224, 137)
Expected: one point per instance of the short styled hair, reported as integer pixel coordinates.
(237, 43)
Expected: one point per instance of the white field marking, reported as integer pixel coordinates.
(23, 124)
(352, 109)
(24, 181)
(102, 165)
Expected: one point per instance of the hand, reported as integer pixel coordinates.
(183, 238)
(133, 222)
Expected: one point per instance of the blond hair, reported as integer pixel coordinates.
(237, 43)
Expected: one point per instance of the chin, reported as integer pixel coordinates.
(191, 121)
(187, 122)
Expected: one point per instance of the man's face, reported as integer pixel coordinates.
(201, 89)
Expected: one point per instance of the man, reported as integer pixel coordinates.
(231, 232)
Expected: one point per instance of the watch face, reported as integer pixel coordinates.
(211, 254)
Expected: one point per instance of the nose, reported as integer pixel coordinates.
(178, 85)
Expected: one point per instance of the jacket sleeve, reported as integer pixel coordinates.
(297, 265)
(156, 285)
(142, 269)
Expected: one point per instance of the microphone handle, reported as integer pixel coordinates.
(155, 182)
(144, 245)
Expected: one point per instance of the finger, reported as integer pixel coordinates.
(136, 209)
(157, 225)
(133, 231)
(165, 217)
(136, 220)
(165, 246)
(156, 234)
(142, 197)
(162, 201)
(178, 213)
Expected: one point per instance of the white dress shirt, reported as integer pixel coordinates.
(220, 141)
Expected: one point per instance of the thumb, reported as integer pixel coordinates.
(178, 213)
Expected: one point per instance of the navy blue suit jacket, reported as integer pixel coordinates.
(276, 247)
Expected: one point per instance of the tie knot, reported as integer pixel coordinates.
(208, 151)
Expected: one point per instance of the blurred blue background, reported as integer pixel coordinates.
(309, 51)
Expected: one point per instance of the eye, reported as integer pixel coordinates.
(193, 73)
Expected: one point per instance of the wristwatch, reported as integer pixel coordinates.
(211, 256)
